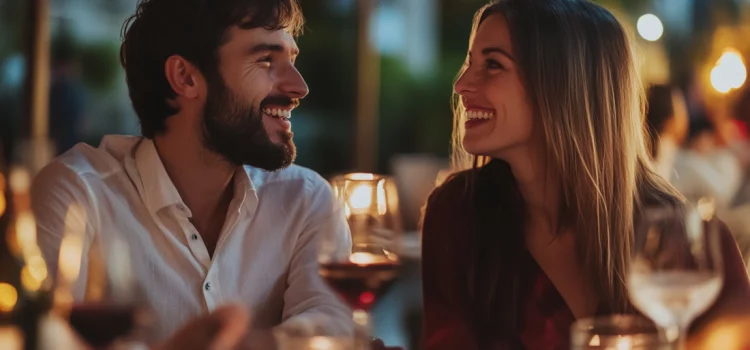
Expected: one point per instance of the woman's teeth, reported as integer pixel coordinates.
(279, 113)
(479, 115)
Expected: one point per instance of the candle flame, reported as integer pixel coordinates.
(360, 198)
(361, 258)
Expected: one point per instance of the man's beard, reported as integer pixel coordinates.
(236, 132)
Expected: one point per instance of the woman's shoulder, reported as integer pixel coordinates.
(452, 194)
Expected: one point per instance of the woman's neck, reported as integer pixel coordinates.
(540, 188)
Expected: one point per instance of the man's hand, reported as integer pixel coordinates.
(222, 329)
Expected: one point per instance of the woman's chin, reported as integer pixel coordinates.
(476, 149)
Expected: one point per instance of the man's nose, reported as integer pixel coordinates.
(292, 84)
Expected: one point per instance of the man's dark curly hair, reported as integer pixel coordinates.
(193, 29)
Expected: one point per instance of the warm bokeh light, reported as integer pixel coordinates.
(8, 297)
(3, 204)
(20, 180)
(594, 340)
(625, 343)
(26, 233)
(71, 251)
(650, 27)
(37, 267)
(320, 343)
(729, 72)
(29, 281)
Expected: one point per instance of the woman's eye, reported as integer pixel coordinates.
(492, 64)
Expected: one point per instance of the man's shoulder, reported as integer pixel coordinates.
(293, 174)
(85, 160)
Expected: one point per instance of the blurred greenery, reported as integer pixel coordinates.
(10, 24)
(101, 62)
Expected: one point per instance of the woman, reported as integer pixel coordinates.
(538, 232)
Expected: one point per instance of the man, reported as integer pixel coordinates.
(208, 201)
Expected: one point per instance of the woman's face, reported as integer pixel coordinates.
(499, 116)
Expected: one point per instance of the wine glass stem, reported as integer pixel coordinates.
(362, 332)
(676, 335)
(681, 343)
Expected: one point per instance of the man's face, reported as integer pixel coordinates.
(249, 102)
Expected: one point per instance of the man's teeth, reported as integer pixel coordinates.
(479, 115)
(275, 112)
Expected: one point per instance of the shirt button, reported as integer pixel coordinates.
(208, 286)
(194, 237)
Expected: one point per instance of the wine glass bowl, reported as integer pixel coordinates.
(676, 271)
(362, 280)
(99, 301)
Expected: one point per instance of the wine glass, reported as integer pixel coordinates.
(676, 272)
(99, 302)
(361, 269)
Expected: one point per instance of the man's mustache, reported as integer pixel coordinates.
(281, 101)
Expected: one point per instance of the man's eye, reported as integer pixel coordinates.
(265, 59)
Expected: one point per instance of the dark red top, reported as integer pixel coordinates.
(546, 319)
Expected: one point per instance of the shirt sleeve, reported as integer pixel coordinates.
(63, 209)
(308, 301)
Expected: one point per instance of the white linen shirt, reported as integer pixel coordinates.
(266, 256)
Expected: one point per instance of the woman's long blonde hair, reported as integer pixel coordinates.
(578, 67)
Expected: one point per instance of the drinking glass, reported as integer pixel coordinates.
(291, 341)
(361, 267)
(616, 332)
(100, 302)
(676, 270)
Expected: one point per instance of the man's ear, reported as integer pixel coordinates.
(184, 77)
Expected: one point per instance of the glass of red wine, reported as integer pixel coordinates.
(100, 301)
(363, 265)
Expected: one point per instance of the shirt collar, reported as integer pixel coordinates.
(159, 192)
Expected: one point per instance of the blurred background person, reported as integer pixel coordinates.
(667, 123)
(67, 97)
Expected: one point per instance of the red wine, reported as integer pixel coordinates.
(359, 285)
(100, 325)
